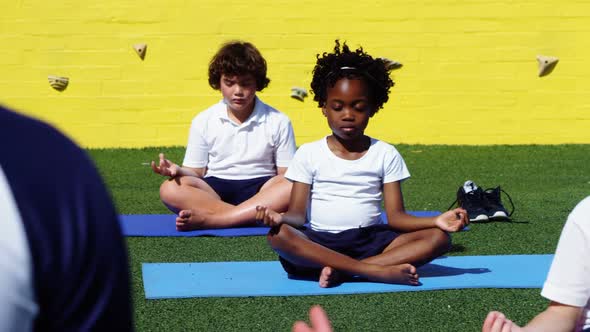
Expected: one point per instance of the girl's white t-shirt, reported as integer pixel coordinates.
(345, 193)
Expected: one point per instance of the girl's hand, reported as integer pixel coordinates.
(268, 216)
(166, 167)
(453, 220)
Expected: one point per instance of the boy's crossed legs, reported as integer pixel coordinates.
(396, 264)
(199, 206)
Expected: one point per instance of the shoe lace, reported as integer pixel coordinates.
(509, 199)
(452, 204)
(473, 198)
(513, 207)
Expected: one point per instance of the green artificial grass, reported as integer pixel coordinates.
(545, 183)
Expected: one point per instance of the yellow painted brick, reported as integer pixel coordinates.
(155, 86)
(34, 72)
(472, 60)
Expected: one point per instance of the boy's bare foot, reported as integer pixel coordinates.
(404, 274)
(329, 277)
(188, 220)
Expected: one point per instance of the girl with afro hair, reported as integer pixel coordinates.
(340, 183)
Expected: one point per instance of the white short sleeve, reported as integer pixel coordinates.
(197, 150)
(568, 281)
(286, 144)
(395, 168)
(300, 169)
(18, 307)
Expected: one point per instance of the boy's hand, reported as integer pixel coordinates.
(166, 167)
(268, 216)
(453, 220)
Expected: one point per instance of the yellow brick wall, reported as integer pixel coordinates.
(469, 74)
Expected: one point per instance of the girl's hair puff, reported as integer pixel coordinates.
(344, 63)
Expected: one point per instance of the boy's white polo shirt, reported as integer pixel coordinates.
(235, 151)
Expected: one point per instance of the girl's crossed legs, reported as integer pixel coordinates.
(393, 264)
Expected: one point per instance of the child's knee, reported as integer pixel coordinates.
(278, 181)
(168, 190)
(440, 239)
(278, 236)
(444, 239)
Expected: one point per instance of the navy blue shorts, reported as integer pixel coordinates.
(236, 191)
(358, 243)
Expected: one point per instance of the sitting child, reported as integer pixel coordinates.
(343, 179)
(567, 286)
(237, 151)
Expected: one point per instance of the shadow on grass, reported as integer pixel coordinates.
(435, 270)
(457, 248)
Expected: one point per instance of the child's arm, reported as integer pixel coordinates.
(168, 168)
(295, 216)
(557, 317)
(450, 221)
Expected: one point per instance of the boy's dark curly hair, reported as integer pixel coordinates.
(238, 58)
(330, 67)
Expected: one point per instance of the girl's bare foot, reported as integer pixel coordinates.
(329, 277)
(404, 274)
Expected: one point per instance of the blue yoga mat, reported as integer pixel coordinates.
(240, 279)
(165, 225)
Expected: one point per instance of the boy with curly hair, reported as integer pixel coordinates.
(237, 152)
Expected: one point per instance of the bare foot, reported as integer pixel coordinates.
(329, 277)
(188, 220)
(404, 274)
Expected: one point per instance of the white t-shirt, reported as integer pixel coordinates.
(234, 151)
(568, 281)
(18, 308)
(345, 193)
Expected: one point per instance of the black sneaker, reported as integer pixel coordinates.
(494, 206)
(471, 198)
